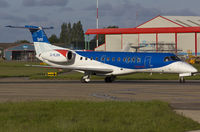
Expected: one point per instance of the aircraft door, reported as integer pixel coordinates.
(147, 62)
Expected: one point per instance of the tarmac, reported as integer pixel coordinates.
(184, 98)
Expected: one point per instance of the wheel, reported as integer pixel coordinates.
(110, 79)
(107, 79)
(85, 80)
(182, 80)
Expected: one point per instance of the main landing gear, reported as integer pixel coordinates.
(86, 78)
(181, 79)
(110, 79)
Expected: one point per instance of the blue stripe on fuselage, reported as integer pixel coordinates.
(141, 60)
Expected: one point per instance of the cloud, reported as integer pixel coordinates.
(4, 4)
(68, 9)
(35, 18)
(29, 2)
(32, 3)
(105, 6)
(29, 19)
(11, 18)
(124, 14)
(182, 12)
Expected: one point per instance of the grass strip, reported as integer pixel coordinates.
(80, 116)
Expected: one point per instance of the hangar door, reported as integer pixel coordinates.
(23, 55)
(113, 42)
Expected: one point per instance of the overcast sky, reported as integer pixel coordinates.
(111, 12)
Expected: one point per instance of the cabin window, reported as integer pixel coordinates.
(86, 58)
(91, 58)
(113, 59)
(102, 59)
(133, 60)
(129, 59)
(138, 60)
(96, 58)
(118, 59)
(108, 59)
(124, 59)
(81, 58)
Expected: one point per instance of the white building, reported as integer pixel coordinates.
(179, 34)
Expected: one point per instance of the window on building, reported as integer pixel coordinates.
(108, 59)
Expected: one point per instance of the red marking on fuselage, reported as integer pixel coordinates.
(63, 52)
(139, 66)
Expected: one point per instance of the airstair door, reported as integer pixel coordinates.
(147, 62)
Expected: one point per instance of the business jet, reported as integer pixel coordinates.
(108, 64)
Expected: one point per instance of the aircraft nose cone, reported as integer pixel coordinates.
(188, 68)
(194, 70)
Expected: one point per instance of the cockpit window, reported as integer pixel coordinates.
(172, 58)
(167, 59)
(175, 58)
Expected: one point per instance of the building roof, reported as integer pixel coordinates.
(21, 47)
(159, 24)
(143, 30)
(172, 21)
(6, 45)
(186, 21)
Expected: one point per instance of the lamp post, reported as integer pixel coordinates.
(97, 22)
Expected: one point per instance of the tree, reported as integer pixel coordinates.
(63, 33)
(53, 39)
(22, 41)
(72, 34)
(80, 32)
(68, 35)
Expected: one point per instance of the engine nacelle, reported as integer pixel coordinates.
(58, 56)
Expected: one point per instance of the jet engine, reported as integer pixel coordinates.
(58, 56)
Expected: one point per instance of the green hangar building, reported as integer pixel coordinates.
(20, 52)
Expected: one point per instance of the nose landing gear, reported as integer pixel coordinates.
(85, 78)
(181, 79)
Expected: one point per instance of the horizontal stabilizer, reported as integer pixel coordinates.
(29, 27)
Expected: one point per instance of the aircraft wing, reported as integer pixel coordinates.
(90, 69)
(94, 69)
(44, 66)
(197, 73)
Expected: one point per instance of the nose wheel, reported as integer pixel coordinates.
(182, 80)
(85, 78)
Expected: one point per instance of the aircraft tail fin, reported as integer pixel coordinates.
(40, 39)
(38, 34)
